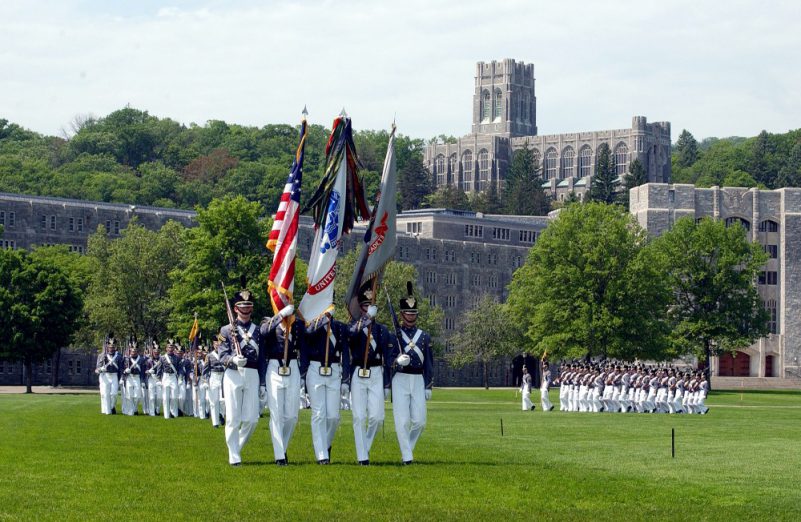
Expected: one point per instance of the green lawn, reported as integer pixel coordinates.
(61, 460)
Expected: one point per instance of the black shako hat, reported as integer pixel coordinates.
(409, 303)
(366, 292)
(244, 296)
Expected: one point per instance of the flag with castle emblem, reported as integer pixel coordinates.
(283, 238)
(336, 204)
(380, 239)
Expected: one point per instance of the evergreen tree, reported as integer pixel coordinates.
(761, 161)
(635, 177)
(448, 196)
(686, 149)
(523, 194)
(486, 202)
(605, 185)
(414, 183)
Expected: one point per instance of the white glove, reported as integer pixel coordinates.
(428, 395)
(262, 394)
(240, 360)
(344, 389)
(98, 371)
(372, 311)
(286, 311)
(403, 360)
(302, 390)
(386, 394)
(150, 372)
(127, 371)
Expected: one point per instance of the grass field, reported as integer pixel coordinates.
(61, 460)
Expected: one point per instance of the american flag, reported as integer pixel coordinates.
(283, 239)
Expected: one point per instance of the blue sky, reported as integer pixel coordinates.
(717, 68)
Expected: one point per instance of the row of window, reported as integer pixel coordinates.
(770, 306)
(768, 277)
(452, 279)
(76, 224)
(73, 367)
(8, 244)
(554, 165)
(8, 219)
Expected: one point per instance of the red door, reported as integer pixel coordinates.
(768, 366)
(730, 366)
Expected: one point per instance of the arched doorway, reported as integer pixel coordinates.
(532, 365)
(731, 366)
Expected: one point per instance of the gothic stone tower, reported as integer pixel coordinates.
(504, 102)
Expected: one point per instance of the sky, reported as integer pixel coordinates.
(715, 68)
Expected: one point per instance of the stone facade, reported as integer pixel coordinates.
(505, 120)
(459, 256)
(772, 218)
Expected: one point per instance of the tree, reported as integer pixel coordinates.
(414, 183)
(711, 269)
(396, 274)
(39, 308)
(448, 196)
(686, 149)
(228, 242)
(487, 201)
(590, 287)
(129, 290)
(523, 194)
(484, 337)
(604, 185)
(762, 161)
(635, 177)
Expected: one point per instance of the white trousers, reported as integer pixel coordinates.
(153, 395)
(367, 404)
(527, 404)
(169, 394)
(133, 394)
(109, 387)
(545, 400)
(563, 397)
(324, 397)
(409, 410)
(215, 397)
(201, 400)
(241, 389)
(283, 398)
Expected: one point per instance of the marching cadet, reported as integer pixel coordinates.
(525, 390)
(153, 383)
(324, 359)
(109, 370)
(412, 361)
(185, 383)
(244, 381)
(133, 373)
(170, 371)
(201, 387)
(369, 381)
(215, 370)
(545, 386)
(283, 377)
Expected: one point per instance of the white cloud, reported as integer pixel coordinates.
(717, 68)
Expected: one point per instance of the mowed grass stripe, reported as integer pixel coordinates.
(61, 460)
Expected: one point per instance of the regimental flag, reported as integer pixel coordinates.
(380, 239)
(194, 335)
(283, 239)
(336, 204)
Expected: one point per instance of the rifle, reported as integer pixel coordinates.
(231, 322)
(365, 371)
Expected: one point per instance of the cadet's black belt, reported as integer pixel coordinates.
(371, 364)
(411, 371)
(321, 360)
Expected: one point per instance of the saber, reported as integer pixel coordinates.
(231, 322)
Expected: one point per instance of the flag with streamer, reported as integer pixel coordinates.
(335, 205)
(283, 238)
(380, 239)
(194, 334)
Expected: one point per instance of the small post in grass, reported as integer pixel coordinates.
(501, 427)
(673, 442)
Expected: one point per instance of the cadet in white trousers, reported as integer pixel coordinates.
(545, 387)
(133, 373)
(169, 372)
(525, 390)
(324, 358)
(244, 381)
(283, 378)
(215, 369)
(109, 370)
(369, 382)
(412, 364)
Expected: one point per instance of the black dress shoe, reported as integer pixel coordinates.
(329, 452)
(113, 411)
(407, 462)
(235, 464)
(550, 409)
(281, 462)
(365, 462)
(323, 462)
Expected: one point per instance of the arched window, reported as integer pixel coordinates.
(768, 226)
(550, 163)
(566, 163)
(734, 220)
(486, 102)
(537, 159)
(467, 170)
(483, 169)
(453, 169)
(585, 161)
(621, 159)
(439, 170)
(498, 104)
